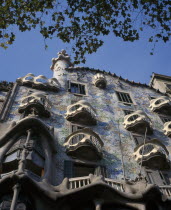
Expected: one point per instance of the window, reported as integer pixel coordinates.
(76, 88)
(165, 119)
(158, 177)
(75, 169)
(126, 112)
(152, 97)
(74, 128)
(168, 86)
(140, 139)
(124, 97)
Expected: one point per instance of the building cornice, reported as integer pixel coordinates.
(113, 75)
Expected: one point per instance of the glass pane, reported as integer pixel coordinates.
(74, 88)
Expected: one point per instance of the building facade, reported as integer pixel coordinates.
(85, 139)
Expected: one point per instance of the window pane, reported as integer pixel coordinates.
(124, 97)
(126, 112)
(74, 88)
(78, 88)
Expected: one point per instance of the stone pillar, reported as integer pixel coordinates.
(58, 67)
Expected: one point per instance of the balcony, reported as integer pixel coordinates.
(100, 81)
(167, 129)
(161, 105)
(35, 104)
(137, 122)
(79, 182)
(81, 113)
(39, 82)
(155, 155)
(84, 144)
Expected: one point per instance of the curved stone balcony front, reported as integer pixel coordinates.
(161, 105)
(100, 81)
(82, 113)
(84, 144)
(35, 104)
(155, 155)
(39, 82)
(137, 122)
(167, 129)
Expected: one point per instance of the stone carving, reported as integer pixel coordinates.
(155, 155)
(39, 82)
(134, 186)
(35, 104)
(137, 122)
(81, 112)
(30, 126)
(83, 142)
(161, 105)
(100, 81)
(167, 129)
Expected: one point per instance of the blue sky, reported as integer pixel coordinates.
(129, 60)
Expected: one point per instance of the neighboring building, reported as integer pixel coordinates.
(85, 139)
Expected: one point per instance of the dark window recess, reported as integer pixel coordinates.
(152, 97)
(83, 170)
(75, 128)
(68, 169)
(140, 139)
(126, 112)
(72, 169)
(76, 88)
(124, 97)
(158, 177)
(168, 86)
(165, 119)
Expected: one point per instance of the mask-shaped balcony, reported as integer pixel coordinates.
(155, 155)
(39, 82)
(82, 113)
(161, 105)
(137, 122)
(84, 144)
(100, 81)
(35, 104)
(167, 129)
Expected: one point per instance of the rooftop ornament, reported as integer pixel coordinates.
(63, 56)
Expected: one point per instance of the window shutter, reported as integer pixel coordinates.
(68, 169)
(69, 85)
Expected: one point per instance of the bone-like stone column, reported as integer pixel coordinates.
(16, 190)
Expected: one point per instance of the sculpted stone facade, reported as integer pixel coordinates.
(84, 139)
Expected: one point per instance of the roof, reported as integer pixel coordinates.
(159, 76)
(113, 75)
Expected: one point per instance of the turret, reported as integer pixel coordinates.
(58, 67)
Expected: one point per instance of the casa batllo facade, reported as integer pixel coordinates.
(85, 139)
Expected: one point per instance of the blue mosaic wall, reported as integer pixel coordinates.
(110, 117)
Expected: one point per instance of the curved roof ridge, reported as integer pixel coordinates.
(113, 75)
